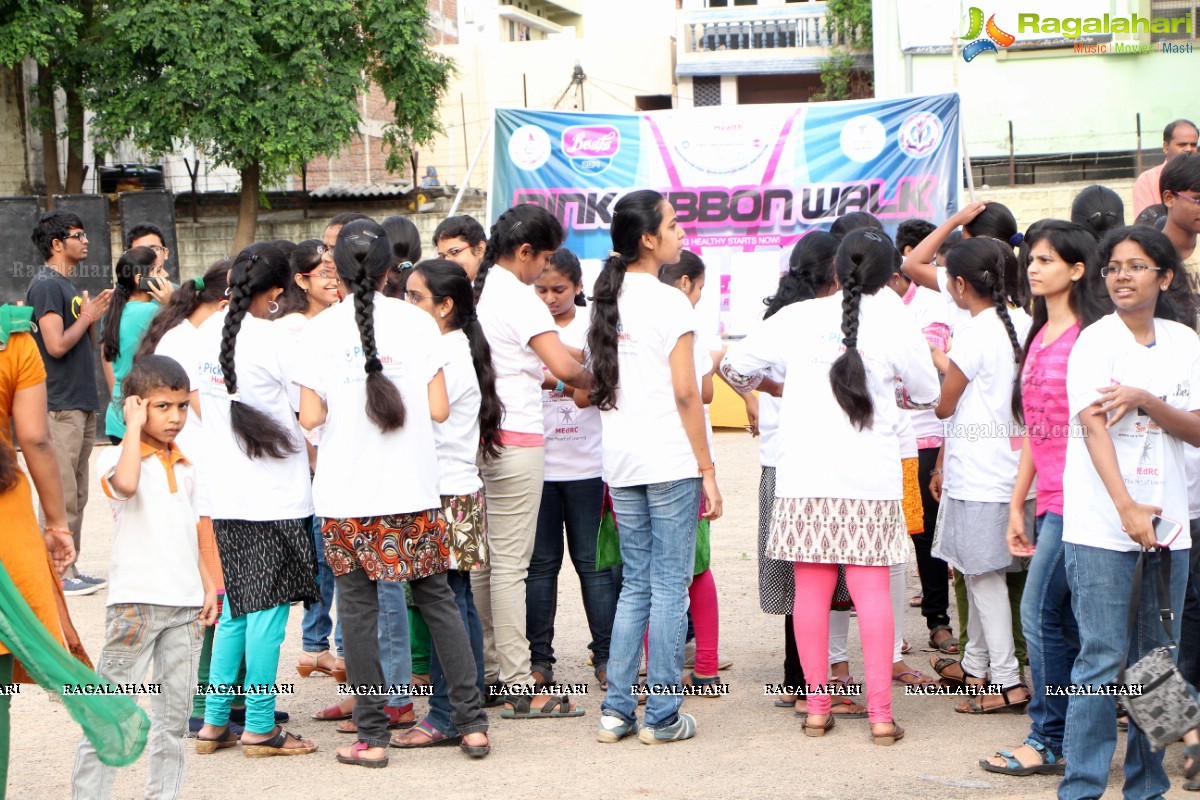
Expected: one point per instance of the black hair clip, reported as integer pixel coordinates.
(254, 258)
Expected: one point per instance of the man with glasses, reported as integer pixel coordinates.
(145, 234)
(1180, 183)
(329, 238)
(1179, 138)
(64, 320)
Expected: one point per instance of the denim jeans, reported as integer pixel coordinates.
(1189, 641)
(439, 702)
(315, 629)
(658, 545)
(393, 640)
(1099, 581)
(575, 504)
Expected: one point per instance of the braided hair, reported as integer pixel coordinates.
(257, 269)
(362, 256)
(133, 262)
(810, 271)
(635, 214)
(522, 224)
(865, 263)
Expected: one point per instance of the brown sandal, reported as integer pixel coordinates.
(817, 730)
(888, 739)
(315, 662)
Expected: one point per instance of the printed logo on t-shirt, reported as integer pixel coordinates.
(76, 306)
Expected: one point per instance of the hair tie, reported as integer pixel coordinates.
(374, 365)
(198, 282)
(614, 254)
(403, 265)
(234, 397)
(850, 341)
(469, 318)
(1016, 239)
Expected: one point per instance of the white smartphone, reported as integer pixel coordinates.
(1165, 530)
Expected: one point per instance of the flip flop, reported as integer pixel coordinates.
(357, 760)
(476, 750)
(206, 746)
(435, 737)
(556, 707)
(915, 600)
(918, 679)
(393, 714)
(332, 713)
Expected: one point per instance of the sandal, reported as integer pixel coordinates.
(918, 678)
(974, 705)
(542, 676)
(394, 714)
(817, 730)
(888, 739)
(1051, 764)
(477, 750)
(277, 746)
(206, 746)
(333, 712)
(704, 686)
(948, 644)
(940, 665)
(555, 707)
(1192, 751)
(433, 737)
(842, 707)
(319, 663)
(915, 600)
(356, 758)
(601, 673)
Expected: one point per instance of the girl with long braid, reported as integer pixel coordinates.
(845, 352)
(127, 318)
(259, 498)
(981, 453)
(373, 377)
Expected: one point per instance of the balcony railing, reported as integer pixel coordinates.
(747, 28)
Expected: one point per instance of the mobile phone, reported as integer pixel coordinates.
(1165, 530)
(146, 286)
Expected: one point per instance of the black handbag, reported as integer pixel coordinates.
(1165, 708)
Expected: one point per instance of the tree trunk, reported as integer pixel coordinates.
(49, 128)
(247, 207)
(74, 142)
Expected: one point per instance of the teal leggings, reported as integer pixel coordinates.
(257, 636)
(6, 675)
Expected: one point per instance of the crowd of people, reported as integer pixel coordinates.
(412, 446)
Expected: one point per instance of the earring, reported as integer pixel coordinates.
(272, 306)
(443, 315)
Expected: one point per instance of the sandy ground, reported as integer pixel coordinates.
(745, 748)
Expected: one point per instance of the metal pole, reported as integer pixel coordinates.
(1139, 144)
(1012, 162)
(525, 88)
(471, 169)
(462, 104)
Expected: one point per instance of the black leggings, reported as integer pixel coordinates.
(935, 585)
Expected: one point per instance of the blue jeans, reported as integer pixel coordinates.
(657, 523)
(316, 627)
(1189, 641)
(1099, 581)
(439, 702)
(575, 504)
(394, 650)
(1051, 635)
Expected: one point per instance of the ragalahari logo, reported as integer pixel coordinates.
(996, 38)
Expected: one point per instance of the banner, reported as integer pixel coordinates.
(746, 181)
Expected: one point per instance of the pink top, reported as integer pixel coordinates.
(1044, 398)
(1145, 189)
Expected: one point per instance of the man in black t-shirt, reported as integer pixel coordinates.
(64, 319)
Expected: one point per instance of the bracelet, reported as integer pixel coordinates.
(710, 468)
(58, 530)
(91, 320)
(559, 387)
(935, 472)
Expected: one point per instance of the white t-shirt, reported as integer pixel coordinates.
(928, 308)
(821, 454)
(362, 471)
(644, 440)
(768, 426)
(179, 343)
(511, 314)
(955, 315)
(240, 487)
(457, 439)
(983, 441)
(155, 550)
(1151, 461)
(294, 324)
(574, 450)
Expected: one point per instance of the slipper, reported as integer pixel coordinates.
(477, 750)
(949, 645)
(1051, 764)
(817, 730)
(785, 703)
(393, 714)
(356, 758)
(919, 679)
(556, 707)
(839, 703)
(915, 600)
(333, 712)
(206, 746)
(905, 647)
(275, 746)
(888, 739)
(435, 738)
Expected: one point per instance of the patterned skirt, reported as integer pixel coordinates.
(398, 547)
(824, 530)
(466, 524)
(266, 564)
(914, 511)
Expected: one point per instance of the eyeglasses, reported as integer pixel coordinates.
(80, 235)
(416, 297)
(453, 251)
(322, 249)
(1132, 270)
(321, 275)
(157, 248)
(1189, 198)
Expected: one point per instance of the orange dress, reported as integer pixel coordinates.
(22, 549)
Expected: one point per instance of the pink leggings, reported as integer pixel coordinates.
(869, 586)
(702, 592)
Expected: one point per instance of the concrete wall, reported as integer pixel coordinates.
(1039, 201)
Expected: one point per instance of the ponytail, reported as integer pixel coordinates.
(133, 262)
(256, 269)
(184, 301)
(602, 334)
(810, 271)
(522, 224)
(363, 255)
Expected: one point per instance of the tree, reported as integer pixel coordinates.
(262, 85)
(849, 25)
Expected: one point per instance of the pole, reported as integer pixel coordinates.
(1139, 144)
(304, 185)
(962, 140)
(471, 169)
(462, 104)
(1012, 162)
(525, 88)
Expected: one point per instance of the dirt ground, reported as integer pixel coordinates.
(745, 748)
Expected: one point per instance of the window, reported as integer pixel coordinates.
(1180, 12)
(706, 91)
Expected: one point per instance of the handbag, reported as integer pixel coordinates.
(1165, 709)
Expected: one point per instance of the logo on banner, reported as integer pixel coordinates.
(863, 138)
(591, 148)
(995, 37)
(920, 134)
(529, 147)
